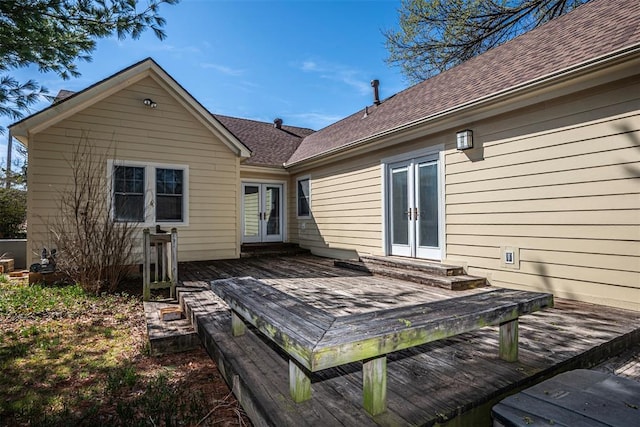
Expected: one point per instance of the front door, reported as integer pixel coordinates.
(261, 212)
(414, 208)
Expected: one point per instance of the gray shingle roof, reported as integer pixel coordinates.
(590, 31)
(270, 146)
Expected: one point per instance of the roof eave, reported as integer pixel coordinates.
(279, 170)
(37, 122)
(593, 65)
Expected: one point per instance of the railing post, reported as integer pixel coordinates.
(146, 265)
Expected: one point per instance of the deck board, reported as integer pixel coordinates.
(426, 384)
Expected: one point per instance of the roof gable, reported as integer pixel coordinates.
(590, 31)
(79, 101)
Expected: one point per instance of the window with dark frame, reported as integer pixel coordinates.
(303, 197)
(128, 185)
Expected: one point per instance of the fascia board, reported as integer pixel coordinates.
(263, 169)
(56, 113)
(545, 87)
(38, 122)
(199, 112)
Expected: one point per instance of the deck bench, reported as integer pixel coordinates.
(315, 340)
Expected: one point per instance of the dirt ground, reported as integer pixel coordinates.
(85, 361)
(194, 371)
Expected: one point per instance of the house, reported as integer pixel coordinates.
(547, 198)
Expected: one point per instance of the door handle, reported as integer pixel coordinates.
(412, 214)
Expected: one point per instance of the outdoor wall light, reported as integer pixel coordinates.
(464, 140)
(149, 103)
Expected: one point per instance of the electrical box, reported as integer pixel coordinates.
(510, 257)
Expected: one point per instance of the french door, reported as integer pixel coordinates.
(261, 212)
(414, 227)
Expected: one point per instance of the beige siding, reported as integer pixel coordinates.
(345, 207)
(558, 182)
(169, 134)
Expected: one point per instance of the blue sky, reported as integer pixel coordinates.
(307, 62)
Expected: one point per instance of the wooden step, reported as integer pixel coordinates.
(168, 336)
(458, 282)
(249, 250)
(430, 267)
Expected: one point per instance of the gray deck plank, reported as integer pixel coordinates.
(468, 371)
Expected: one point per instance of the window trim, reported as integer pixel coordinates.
(298, 179)
(150, 190)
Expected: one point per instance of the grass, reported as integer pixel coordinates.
(68, 358)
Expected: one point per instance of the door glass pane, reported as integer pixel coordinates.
(272, 210)
(399, 207)
(428, 204)
(251, 210)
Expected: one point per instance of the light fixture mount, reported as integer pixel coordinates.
(464, 139)
(149, 103)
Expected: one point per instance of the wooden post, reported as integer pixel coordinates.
(238, 327)
(299, 383)
(174, 261)
(509, 341)
(156, 261)
(162, 261)
(146, 265)
(374, 385)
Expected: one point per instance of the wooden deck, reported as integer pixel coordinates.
(458, 378)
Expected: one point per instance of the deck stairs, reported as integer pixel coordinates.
(429, 273)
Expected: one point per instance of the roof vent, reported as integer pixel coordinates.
(277, 123)
(62, 95)
(376, 96)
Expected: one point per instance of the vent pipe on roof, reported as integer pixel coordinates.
(277, 123)
(376, 96)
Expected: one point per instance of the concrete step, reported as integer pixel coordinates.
(459, 282)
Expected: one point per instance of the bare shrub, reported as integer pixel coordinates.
(94, 250)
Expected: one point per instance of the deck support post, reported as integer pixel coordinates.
(509, 340)
(299, 383)
(374, 385)
(238, 327)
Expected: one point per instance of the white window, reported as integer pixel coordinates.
(303, 197)
(149, 193)
(128, 193)
(169, 195)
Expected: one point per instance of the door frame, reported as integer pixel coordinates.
(435, 150)
(283, 207)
